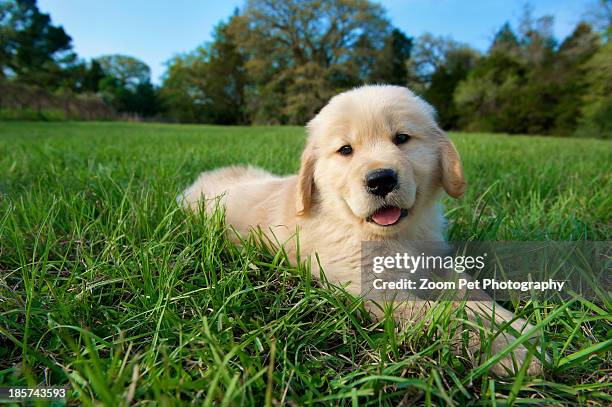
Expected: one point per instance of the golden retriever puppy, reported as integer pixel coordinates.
(373, 169)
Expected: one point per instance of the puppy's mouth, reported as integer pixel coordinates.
(388, 216)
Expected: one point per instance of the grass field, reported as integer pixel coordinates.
(105, 284)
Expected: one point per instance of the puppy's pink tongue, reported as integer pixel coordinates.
(387, 216)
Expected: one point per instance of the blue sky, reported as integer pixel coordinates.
(155, 30)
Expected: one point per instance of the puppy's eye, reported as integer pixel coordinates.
(401, 138)
(345, 150)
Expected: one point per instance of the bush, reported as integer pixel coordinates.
(27, 102)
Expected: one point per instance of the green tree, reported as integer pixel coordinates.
(225, 79)
(183, 90)
(458, 62)
(92, 76)
(32, 49)
(6, 34)
(280, 61)
(391, 62)
(129, 71)
(299, 53)
(506, 41)
(436, 67)
(572, 75)
(599, 16)
(208, 85)
(427, 56)
(126, 84)
(514, 88)
(596, 108)
(484, 98)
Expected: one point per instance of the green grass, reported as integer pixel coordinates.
(105, 284)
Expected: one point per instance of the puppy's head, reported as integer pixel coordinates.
(375, 157)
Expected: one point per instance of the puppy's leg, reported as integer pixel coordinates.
(491, 316)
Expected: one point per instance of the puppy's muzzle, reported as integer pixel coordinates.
(381, 181)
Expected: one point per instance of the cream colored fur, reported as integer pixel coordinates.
(329, 205)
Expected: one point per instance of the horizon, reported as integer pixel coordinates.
(191, 26)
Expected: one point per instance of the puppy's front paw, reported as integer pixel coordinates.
(510, 364)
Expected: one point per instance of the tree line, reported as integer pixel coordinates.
(278, 62)
(38, 55)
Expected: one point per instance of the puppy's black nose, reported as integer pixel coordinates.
(381, 181)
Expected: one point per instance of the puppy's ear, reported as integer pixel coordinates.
(305, 184)
(453, 180)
